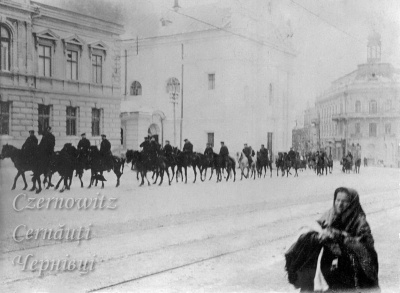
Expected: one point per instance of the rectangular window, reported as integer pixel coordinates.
(211, 81)
(4, 118)
(372, 129)
(71, 120)
(357, 128)
(97, 66)
(44, 60)
(44, 118)
(210, 138)
(388, 128)
(96, 121)
(72, 65)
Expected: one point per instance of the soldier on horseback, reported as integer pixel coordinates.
(264, 152)
(168, 151)
(29, 147)
(145, 145)
(224, 153)
(188, 149)
(83, 144)
(248, 153)
(292, 155)
(153, 149)
(47, 143)
(105, 152)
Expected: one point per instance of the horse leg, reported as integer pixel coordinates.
(15, 180)
(185, 175)
(39, 189)
(33, 183)
(195, 173)
(102, 182)
(23, 177)
(58, 183)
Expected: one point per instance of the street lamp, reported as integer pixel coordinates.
(173, 88)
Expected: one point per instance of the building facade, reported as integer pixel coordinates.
(61, 69)
(229, 82)
(360, 113)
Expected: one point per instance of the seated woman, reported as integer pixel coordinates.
(341, 256)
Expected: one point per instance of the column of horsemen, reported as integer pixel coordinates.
(42, 159)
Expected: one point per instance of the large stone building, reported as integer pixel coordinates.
(361, 111)
(225, 78)
(58, 68)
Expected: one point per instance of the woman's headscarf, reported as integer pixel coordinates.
(349, 218)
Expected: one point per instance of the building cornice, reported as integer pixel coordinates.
(76, 19)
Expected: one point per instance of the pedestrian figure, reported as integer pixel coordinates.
(338, 256)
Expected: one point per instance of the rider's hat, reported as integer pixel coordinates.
(185, 139)
(103, 135)
(167, 141)
(32, 131)
(83, 134)
(222, 142)
(146, 137)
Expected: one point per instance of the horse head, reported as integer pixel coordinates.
(6, 151)
(129, 156)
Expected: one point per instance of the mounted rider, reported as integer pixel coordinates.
(188, 149)
(248, 152)
(224, 153)
(105, 153)
(83, 145)
(145, 145)
(29, 147)
(47, 143)
(168, 151)
(292, 155)
(209, 152)
(264, 152)
(153, 150)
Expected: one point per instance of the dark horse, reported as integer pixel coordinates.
(64, 162)
(183, 161)
(347, 164)
(263, 162)
(141, 162)
(219, 165)
(19, 160)
(98, 165)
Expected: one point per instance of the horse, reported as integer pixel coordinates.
(205, 162)
(280, 164)
(20, 162)
(64, 162)
(141, 162)
(219, 165)
(263, 162)
(244, 164)
(98, 165)
(41, 166)
(183, 161)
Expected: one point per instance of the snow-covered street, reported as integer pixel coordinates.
(201, 237)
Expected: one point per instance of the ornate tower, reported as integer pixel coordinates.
(374, 48)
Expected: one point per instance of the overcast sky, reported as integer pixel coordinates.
(330, 36)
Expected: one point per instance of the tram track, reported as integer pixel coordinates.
(224, 254)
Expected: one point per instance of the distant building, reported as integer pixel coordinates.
(58, 68)
(231, 84)
(360, 112)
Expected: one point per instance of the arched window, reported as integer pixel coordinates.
(5, 50)
(373, 107)
(358, 106)
(136, 88)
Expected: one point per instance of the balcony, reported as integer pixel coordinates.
(54, 85)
